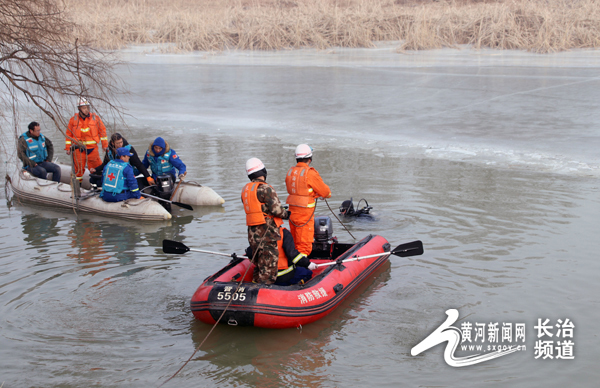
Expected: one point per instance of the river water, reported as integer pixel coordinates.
(490, 158)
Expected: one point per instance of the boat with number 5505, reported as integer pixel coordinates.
(342, 268)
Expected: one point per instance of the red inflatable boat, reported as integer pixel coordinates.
(273, 306)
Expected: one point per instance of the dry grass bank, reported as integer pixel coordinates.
(534, 25)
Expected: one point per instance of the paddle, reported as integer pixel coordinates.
(183, 205)
(403, 250)
(170, 246)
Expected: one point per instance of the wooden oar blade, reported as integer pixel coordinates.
(183, 205)
(414, 248)
(170, 246)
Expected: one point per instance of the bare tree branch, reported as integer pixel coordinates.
(42, 62)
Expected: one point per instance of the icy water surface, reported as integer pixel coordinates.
(490, 160)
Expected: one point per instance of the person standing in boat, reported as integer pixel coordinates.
(117, 141)
(36, 152)
(264, 216)
(87, 130)
(293, 267)
(119, 183)
(304, 185)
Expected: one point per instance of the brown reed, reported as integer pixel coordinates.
(211, 25)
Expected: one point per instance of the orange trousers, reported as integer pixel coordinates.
(304, 233)
(81, 157)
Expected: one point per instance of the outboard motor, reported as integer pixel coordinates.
(164, 188)
(323, 233)
(164, 185)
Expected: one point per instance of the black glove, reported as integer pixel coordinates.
(286, 215)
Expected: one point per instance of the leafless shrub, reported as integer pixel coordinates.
(43, 62)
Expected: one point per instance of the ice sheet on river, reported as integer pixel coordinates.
(506, 108)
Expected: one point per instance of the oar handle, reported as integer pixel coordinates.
(157, 198)
(354, 259)
(214, 253)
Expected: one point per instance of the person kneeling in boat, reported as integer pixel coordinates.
(264, 216)
(36, 152)
(293, 267)
(118, 182)
(117, 141)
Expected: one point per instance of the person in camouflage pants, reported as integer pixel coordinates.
(264, 215)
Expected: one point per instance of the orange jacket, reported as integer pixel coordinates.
(253, 207)
(304, 184)
(90, 131)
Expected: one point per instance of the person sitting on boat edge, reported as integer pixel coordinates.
(293, 267)
(304, 185)
(162, 159)
(36, 152)
(117, 141)
(264, 216)
(119, 183)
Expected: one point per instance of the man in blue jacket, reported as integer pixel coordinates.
(36, 152)
(118, 182)
(162, 160)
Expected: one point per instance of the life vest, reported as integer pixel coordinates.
(114, 178)
(36, 149)
(253, 208)
(160, 165)
(297, 187)
(89, 135)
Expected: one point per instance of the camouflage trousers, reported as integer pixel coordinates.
(263, 241)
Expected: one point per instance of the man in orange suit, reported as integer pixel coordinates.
(304, 186)
(87, 130)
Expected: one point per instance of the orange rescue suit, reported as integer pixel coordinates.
(253, 207)
(304, 184)
(91, 132)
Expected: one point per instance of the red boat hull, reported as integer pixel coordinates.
(279, 307)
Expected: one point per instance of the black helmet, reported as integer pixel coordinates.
(347, 208)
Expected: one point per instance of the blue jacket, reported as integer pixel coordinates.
(164, 163)
(118, 178)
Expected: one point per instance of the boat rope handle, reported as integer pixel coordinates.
(45, 182)
(332, 212)
(137, 203)
(258, 248)
(69, 190)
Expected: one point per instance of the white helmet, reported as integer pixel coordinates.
(253, 165)
(303, 151)
(83, 102)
